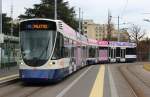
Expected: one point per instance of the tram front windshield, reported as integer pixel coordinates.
(37, 39)
(36, 46)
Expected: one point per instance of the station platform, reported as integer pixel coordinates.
(8, 74)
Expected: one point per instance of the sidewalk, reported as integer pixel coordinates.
(8, 74)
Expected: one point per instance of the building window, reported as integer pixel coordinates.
(85, 22)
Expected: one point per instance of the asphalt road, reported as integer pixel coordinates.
(79, 84)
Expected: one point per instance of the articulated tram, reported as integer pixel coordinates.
(51, 50)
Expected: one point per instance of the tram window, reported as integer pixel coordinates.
(58, 47)
(92, 51)
(114, 53)
(117, 52)
(131, 51)
(72, 49)
(111, 53)
(124, 53)
(97, 54)
(66, 47)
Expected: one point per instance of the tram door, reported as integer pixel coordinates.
(118, 54)
(122, 55)
(112, 55)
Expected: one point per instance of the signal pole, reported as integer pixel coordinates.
(12, 7)
(79, 20)
(118, 29)
(82, 32)
(55, 16)
(109, 27)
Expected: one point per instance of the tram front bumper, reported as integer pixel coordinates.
(27, 75)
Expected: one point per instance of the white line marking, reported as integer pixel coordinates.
(113, 89)
(62, 93)
(9, 77)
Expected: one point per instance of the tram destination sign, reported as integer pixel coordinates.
(37, 25)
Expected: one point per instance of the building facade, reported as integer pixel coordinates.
(93, 30)
(99, 31)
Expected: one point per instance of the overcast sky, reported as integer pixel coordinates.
(132, 11)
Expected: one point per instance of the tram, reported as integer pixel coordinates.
(51, 50)
(122, 52)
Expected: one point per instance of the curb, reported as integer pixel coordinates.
(8, 79)
(147, 67)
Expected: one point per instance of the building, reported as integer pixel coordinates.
(124, 35)
(93, 30)
(99, 31)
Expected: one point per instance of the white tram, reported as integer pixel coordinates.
(51, 50)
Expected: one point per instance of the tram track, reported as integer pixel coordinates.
(137, 86)
(9, 89)
(19, 90)
(24, 92)
(15, 88)
(138, 76)
(3, 84)
(132, 90)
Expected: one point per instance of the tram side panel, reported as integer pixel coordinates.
(103, 55)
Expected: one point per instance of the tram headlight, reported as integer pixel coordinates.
(21, 63)
(52, 63)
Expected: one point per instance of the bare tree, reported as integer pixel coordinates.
(136, 33)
